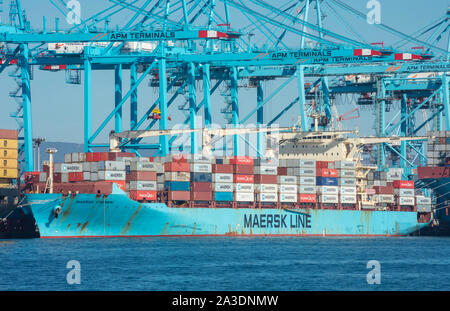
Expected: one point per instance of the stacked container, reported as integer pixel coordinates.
(347, 182)
(8, 157)
(142, 180)
(307, 180)
(178, 190)
(201, 178)
(327, 182)
(439, 148)
(244, 179)
(405, 193)
(222, 181)
(266, 180)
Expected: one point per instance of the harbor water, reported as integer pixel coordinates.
(223, 264)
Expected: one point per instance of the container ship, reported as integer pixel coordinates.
(14, 222)
(315, 185)
(435, 177)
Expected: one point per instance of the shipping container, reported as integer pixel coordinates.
(266, 179)
(68, 168)
(404, 192)
(306, 189)
(266, 187)
(75, 176)
(111, 175)
(347, 173)
(245, 179)
(311, 181)
(201, 187)
(282, 171)
(9, 173)
(224, 196)
(332, 199)
(383, 190)
(307, 163)
(201, 196)
(242, 160)
(9, 134)
(405, 184)
(347, 182)
(266, 161)
(327, 181)
(222, 168)
(201, 177)
(288, 180)
(345, 165)
(244, 187)
(244, 197)
(407, 201)
(384, 198)
(8, 154)
(143, 195)
(288, 197)
(201, 168)
(143, 185)
(328, 190)
(347, 190)
(176, 176)
(424, 208)
(266, 170)
(348, 199)
(9, 144)
(141, 175)
(9, 163)
(243, 170)
(110, 165)
(267, 197)
(288, 189)
(179, 195)
(223, 187)
(176, 167)
(177, 186)
(326, 172)
(221, 178)
(307, 198)
(423, 200)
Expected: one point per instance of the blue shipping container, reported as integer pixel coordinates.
(223, 196)
(201, 177)
(326, 181)
(177, 186)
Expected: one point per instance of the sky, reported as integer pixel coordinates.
(57, 107)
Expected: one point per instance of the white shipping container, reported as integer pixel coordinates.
(243, 187)
(310, 171)
(408, 201)
(290, 180)
(307, 189)
(384, 198)
(111, 175)
(347, 173)
(307, 163)
(244, 196)
(310, 181)
(223, 187)
(67, 158)
(86, 166)
(42, 177)
(266, 188)
(348, 199)
(328, 190)
(423, 200)
(68, 168)
(332, 199)
(64, 177)
(86, 175)
(347, 190)
(94, 167)
(177, 176)
(288, 189)
(266, 170)
(143, 185)
(267, 197)
(94, 176)
(145, 166)
(288, 198)
(405, 192)
(345, 164)
(201, 168)
(222, 177)
(111, 166)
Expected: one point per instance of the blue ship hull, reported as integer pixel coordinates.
(86, 215)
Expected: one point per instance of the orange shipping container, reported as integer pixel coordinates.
(142, 194)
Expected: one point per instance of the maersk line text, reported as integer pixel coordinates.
(277, 221)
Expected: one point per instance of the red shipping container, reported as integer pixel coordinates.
(250, 179)
(125, 155)
(243, 169)
(404, 184)
(222, 169)
(177, 167)
(145, 176)
(383, 190)
(323, 164)
(201, 187)
(75, 176)
(307, 198)
(8, 134)
(179, 195)
(266, 179)
(141, 195)
(326, 172)
(433, 172)
(242, 160)
(201, 196)
(179, 158)
(282, 171)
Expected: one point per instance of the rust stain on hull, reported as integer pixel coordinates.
(127, 227)
(84, 226)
